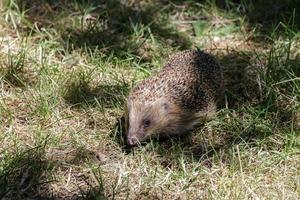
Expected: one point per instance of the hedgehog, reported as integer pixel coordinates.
(183, 95)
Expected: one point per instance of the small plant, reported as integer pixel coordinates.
(79, 90)
(13, 69)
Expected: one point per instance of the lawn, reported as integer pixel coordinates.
(66, 68)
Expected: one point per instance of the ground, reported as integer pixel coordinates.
(66, 68)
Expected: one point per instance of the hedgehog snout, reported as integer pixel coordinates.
(132, 141)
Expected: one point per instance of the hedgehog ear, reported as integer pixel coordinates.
(165, 106)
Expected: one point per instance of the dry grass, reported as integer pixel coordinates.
(67, 67)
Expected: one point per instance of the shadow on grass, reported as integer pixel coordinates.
(110, 25)
(121, 27)
(13, 70)
(114, 29)
(266, 14)
(240, 79)
(119, 134)
(28, 175)
(94, 192)
(25, 175)
(107, 96)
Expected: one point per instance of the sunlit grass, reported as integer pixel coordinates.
(66, 68)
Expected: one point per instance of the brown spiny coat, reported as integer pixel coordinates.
(173, 101)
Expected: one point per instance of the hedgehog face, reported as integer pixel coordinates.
(145, 121)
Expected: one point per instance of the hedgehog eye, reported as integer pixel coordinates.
(146, 123)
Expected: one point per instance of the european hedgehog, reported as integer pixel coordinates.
(184, 94)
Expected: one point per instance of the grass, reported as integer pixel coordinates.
(66, 68)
